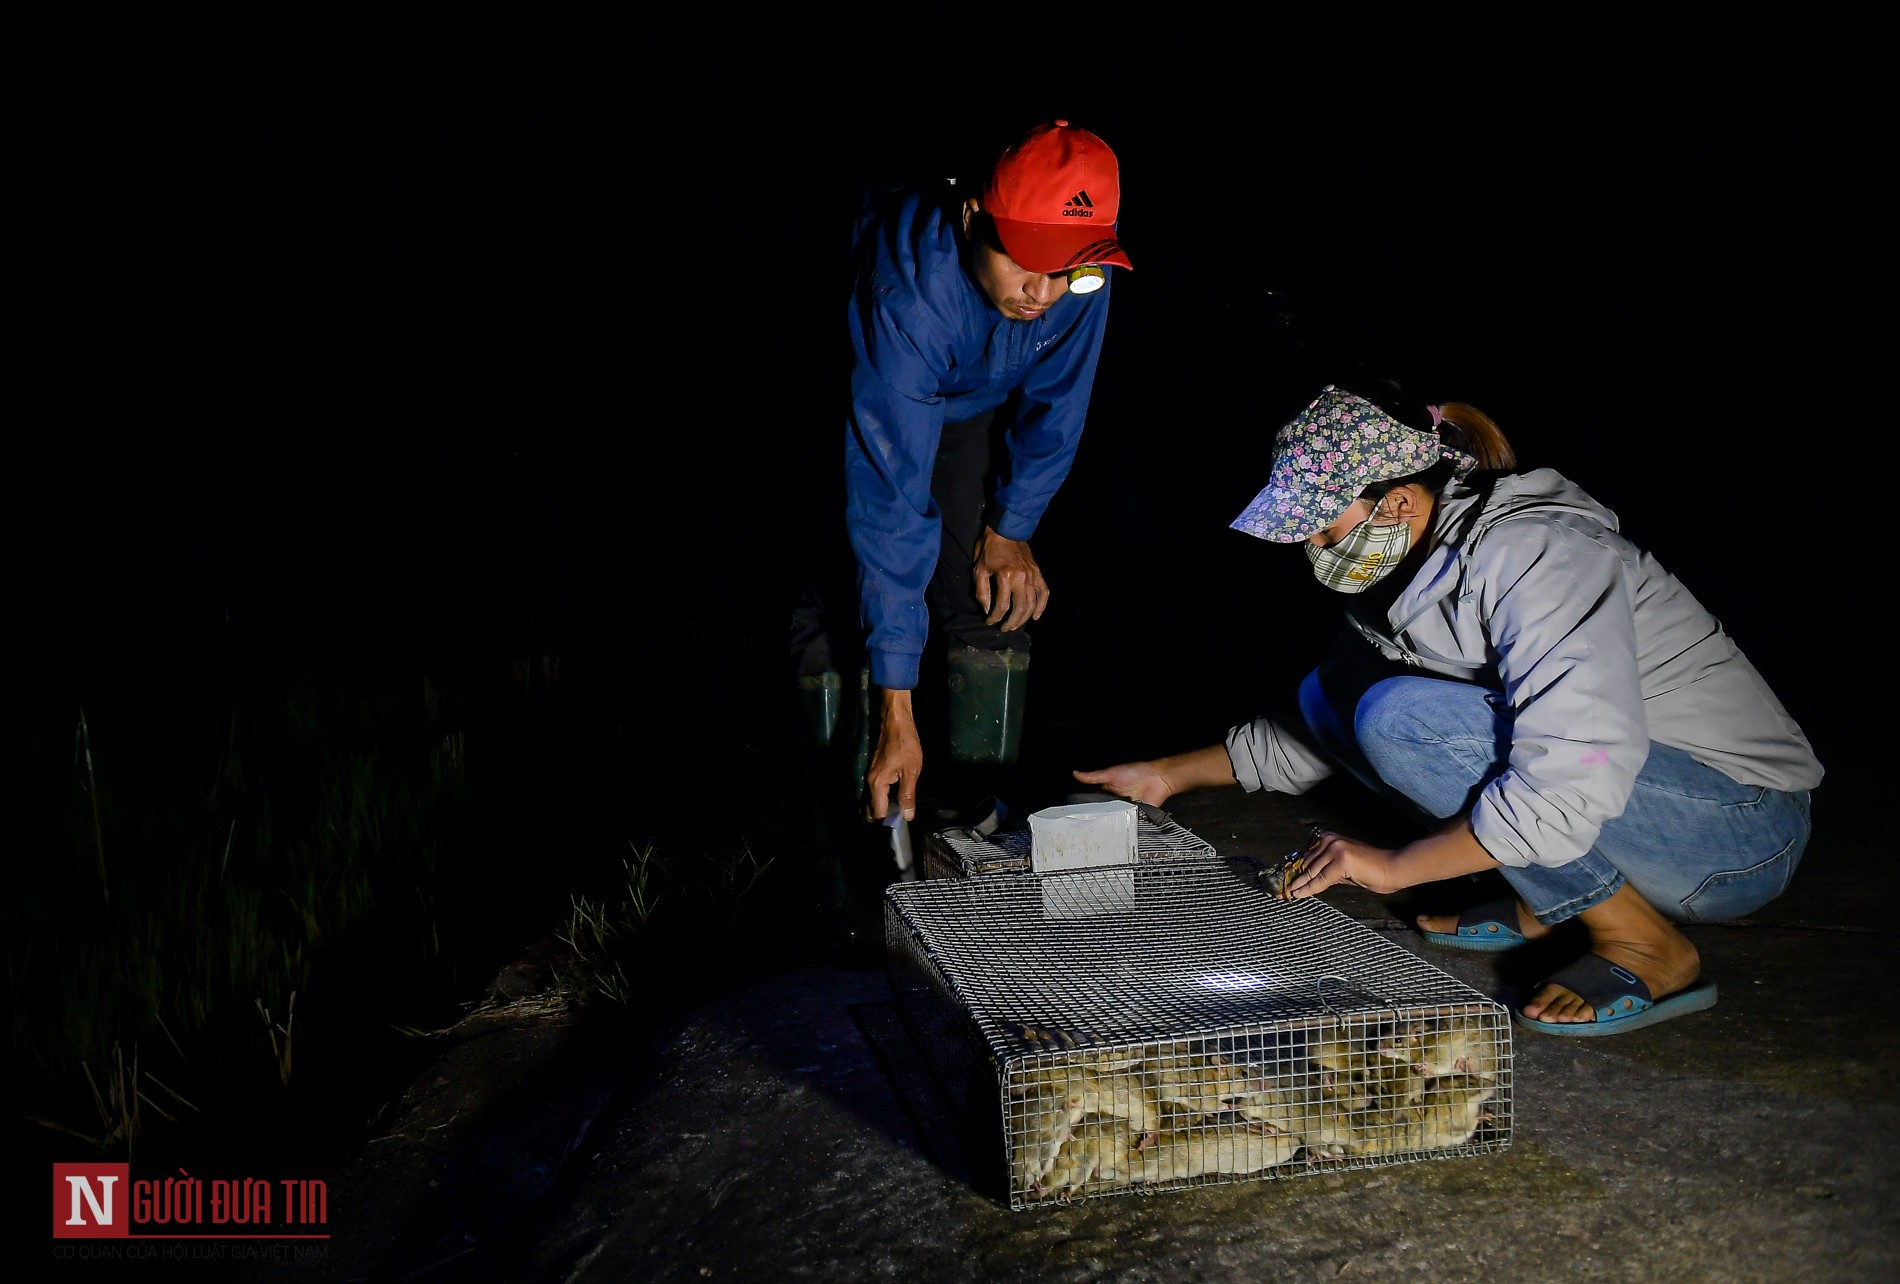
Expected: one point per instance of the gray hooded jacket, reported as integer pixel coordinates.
(1599, 650)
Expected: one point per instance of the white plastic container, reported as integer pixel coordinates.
(1082, 836)
(1096, 836)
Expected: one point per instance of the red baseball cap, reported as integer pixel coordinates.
(1055, 197)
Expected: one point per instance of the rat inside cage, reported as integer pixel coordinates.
(1124, 1031)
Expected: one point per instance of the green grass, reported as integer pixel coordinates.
(613, 942)
(199, 857)
(246, 872)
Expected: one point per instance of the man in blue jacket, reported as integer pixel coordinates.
(976, 323)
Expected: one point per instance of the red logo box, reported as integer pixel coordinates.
(92, 1201)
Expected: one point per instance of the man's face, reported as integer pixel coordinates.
(1018, 294)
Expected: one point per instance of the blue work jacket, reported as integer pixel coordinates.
(928, 348)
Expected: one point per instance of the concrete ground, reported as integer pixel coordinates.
(784, 1130)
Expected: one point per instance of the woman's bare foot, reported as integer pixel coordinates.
(1626, 930)
(1447, 924)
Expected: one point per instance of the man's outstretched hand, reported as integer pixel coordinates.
(897, 760)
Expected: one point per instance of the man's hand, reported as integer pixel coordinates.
(896, 759)
(1009, 584)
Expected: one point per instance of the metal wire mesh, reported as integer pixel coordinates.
(1171, 1024)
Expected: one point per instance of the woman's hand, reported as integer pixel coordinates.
(1331, 859)
(1159, 779)
(1141, 781)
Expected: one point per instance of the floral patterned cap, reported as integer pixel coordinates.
(1332, 450)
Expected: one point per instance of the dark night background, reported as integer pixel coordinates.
(460, 381)
(519, 369)
(471, 375)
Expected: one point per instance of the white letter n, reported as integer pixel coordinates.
(83, 1186)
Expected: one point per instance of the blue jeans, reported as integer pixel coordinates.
(1697, 845)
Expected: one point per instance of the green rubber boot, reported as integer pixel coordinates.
(847, 876)
(987, 695)
(861, 756)
(820, 700)
(821, 708)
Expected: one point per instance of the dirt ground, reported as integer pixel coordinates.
(786, 1130)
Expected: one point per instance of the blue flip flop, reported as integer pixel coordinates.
(1621, 999)
(1485, 928)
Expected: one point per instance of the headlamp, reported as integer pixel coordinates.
(1086, 279)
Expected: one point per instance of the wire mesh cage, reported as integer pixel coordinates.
(963, 853)
(1172, 1024)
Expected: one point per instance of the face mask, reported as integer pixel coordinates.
(1367, 555)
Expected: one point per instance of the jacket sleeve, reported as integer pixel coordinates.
(1561, 623)
(1268, 753)
(1050, 415)
(894, 421)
